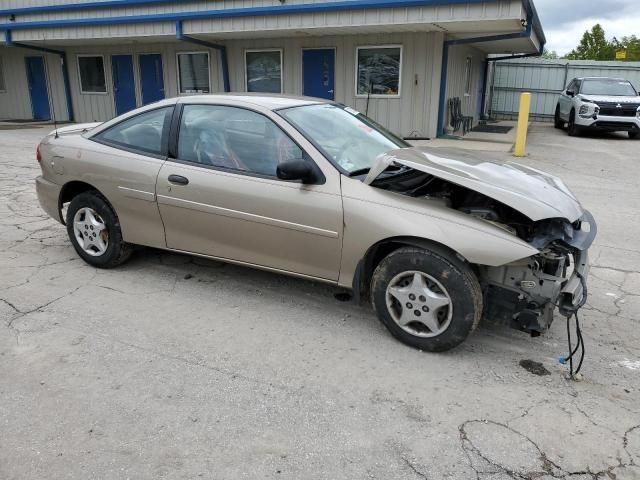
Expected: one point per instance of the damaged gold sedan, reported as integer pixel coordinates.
(317, 190)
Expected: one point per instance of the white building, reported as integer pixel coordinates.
(398, 60)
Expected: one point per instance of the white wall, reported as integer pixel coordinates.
(456, 78)
(15, 102)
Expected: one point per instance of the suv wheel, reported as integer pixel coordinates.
(94, 230)
(427, 300)
(573, 129)
(633, 134)
(557, 121)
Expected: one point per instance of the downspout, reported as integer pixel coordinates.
(465, 41)
(63, 62)
(221, 48)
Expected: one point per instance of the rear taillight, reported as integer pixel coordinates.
(38, 154)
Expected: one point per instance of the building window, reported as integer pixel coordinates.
(193, 72)
(264, 70)
(378, 70)
(468, 76)
(92, 78)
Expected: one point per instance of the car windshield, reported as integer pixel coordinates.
(344, 135)
(608, 87)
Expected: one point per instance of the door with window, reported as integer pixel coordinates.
(318, 71)
(220, 196)
(566, 100)
(37, 81)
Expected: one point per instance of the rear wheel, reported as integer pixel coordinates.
(557, 121)
(573, 129)
(633, 134)
(427, 300)
(94, 230)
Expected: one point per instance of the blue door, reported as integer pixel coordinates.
(318, 67)
(151, 78)
(124, 87)
(37, 79)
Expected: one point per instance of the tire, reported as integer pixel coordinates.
(557, 121)
(573, 130)
(633, 134)
(446, 278)
(102, 244)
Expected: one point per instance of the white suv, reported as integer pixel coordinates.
(605, 104)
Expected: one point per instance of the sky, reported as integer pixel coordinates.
(565, 21)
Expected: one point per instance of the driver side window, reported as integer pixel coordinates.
(234, 138)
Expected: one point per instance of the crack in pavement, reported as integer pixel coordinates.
(549, 467)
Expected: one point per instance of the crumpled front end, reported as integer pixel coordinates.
(525, 294)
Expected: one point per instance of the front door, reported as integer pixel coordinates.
(124, 86)
(151, 77)
(318, 65)
(37, 80)
(221, 196)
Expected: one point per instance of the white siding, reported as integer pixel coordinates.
(15, 102)
(414, 112)
(456, 79)
(411, 19)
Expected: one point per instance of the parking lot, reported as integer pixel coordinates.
(173, 366)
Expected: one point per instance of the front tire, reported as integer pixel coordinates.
(427, 300)
(557, 120)
(94, 231)
(633, 134)
(573, 129)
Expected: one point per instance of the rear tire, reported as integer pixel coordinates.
(443, 303)
(557, 121)
(634, 134)
(94, 231)
(573, 129)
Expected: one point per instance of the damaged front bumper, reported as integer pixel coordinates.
(525, 294)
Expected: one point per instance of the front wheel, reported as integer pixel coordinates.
(633, 134)
(94, 231)
(557, 120)
(427, 300)
(573, 129)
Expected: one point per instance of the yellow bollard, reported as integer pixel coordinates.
(523, 125)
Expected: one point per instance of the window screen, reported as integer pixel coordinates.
(193, 70)
(264, 71)
(145, 132)
(92, 79)
(234, 138)
(378, 70)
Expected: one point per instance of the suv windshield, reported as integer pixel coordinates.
(609, 87)
(344, 135)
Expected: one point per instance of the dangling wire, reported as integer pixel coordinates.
(573, 312)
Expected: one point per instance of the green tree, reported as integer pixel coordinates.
(594, 46)
(631, 45)
(550, 55)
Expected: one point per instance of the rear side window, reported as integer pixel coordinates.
(234, 138)
(144, 133)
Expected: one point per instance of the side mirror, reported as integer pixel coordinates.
(571, 93)
(296, 170)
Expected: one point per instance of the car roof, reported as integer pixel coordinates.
(269, 101)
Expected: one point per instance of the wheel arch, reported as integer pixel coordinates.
(72, 189)
(378, 251)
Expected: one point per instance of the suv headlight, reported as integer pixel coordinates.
(638, 112)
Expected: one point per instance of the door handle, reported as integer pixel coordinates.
(178, 179)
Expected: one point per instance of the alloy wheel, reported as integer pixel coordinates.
(90, 232)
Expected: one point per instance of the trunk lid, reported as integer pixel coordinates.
(533, 193)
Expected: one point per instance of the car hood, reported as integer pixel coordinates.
(533, 193)
(610, 99)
